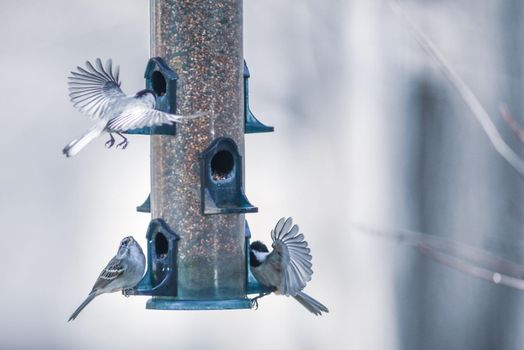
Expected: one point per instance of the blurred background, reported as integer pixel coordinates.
(367, 130)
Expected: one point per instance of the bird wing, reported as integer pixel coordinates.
(291, 251)
(111, 272)
(140, 115)
(95, 89)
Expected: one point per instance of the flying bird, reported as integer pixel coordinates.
(95, 91)
(124, 271)
(288, 268)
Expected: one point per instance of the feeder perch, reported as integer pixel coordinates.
(145, 207)
(162, 81)
(221, 179)
(160, 277)
(252, 124)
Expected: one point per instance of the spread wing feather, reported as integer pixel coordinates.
(139, 116)
(95, 89)
(293, 255)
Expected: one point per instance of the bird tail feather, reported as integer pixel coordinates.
(77, 144)
(89, 298)
(311, 304)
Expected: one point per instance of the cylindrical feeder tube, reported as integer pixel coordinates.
(201, 40)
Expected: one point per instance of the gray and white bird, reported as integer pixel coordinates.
(95, 91)
(288, 268)
(123, 272)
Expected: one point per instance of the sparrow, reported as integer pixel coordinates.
(123, 272)
(95, 91)
(287, 268)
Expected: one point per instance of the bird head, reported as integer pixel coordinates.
(258, 253)
(126, 245)
(127, 241)
(147, 96)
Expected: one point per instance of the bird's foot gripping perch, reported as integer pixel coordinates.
(254, 301)
(128, 292)
(109, 143)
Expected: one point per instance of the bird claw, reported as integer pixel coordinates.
(123, 144)
(254, 303)
(110, 143)
(127, 292)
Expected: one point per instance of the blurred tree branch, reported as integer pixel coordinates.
(465, 92)
(461, 257)
(513, 124)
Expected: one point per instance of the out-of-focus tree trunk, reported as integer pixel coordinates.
(460, 187)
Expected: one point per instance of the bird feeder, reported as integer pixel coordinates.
(198, 238)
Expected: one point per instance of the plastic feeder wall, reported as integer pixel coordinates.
(198, 244)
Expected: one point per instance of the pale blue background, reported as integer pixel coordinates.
(367, 131)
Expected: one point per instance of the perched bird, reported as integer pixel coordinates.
(123, 272)
(287, 269)
(96, 92)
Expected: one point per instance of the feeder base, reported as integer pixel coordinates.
(167, 303)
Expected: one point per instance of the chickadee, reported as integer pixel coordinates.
(123, 272)
(287, 269)
(96, 92)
